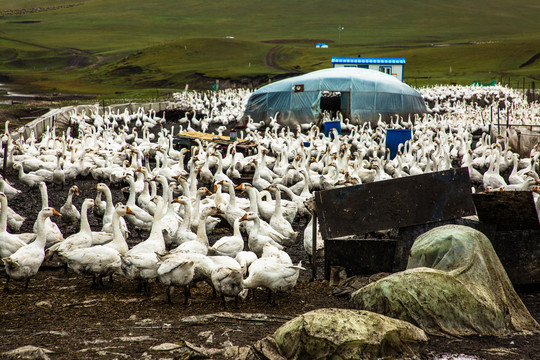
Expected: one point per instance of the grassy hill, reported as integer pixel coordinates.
(125, 46)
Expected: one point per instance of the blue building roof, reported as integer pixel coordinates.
(367, 60)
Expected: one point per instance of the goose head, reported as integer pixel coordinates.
(74, 190)
(101, 187)
(250, 215)
(48, 212)
(123, 210)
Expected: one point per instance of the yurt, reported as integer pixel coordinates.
(359, 94)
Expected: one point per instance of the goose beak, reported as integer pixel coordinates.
(56, 212)
(129, 211)
(77, 191)
(215, 188)
(239, 187)
(208, 192)
(243, 218)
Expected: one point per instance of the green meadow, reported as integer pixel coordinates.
(126, 47)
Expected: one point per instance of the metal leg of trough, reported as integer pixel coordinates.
(314, 248)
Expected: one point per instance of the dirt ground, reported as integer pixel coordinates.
(62, 313)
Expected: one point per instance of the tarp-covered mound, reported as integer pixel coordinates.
(348, 334)
(364, 93)
(454, 285)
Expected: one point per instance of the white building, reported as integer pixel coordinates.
(387, 65)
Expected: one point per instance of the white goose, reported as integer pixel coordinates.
(140, 218)
(26, 261)
(256, 240)
(142, 261)
(7, 189)
(14, 220)
(177, 270)
(281, 256)
(109, 211)
(96, 261)
(308, 233)
(184, 233)
(82, 239)
(118, 241)
(9, 243)
(28, 179)
(229, 245)
(279, 223)
(54, 235)
(70, 214)
(200, 245)
(272, 275)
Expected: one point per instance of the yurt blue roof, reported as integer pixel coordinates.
(298, 98)
(368, 60)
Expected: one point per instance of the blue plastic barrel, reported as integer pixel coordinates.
(394, 137)
(329, 125)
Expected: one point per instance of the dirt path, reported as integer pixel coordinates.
(270, 57)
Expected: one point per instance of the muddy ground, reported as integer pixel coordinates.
(62, 313)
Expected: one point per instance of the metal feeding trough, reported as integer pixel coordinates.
(516, 238)
(416, 204)
(408, 202)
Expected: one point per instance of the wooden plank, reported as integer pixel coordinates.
(216, 138)
(509, 210)
(388, 204)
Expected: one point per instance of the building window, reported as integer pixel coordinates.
(386, 69)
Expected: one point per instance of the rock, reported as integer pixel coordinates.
(29, 352)
(44, 303)
(454, 285)
(166, 347)
(348, 334)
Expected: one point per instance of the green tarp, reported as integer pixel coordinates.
(454, 285)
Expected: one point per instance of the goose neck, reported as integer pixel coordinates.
(85, 225)
(41, 238)
(3, 214)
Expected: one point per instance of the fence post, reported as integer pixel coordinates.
(314, 249)
(5, 142)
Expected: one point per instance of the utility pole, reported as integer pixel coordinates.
(340, 29)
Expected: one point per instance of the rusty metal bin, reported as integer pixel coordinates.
(360, 256)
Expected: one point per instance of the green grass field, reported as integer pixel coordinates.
(124, 47)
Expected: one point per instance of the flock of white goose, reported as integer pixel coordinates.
(170, 201)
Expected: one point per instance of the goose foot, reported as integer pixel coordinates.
(100, 282)
(147, 288)
(223, 301)
(271, 298)
(187, 295)
(169, 292)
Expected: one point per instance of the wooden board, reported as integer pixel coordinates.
(395, 203)
(508, 210)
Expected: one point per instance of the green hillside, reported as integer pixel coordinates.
(103, 46)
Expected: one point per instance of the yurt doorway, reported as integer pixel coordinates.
(334, 101)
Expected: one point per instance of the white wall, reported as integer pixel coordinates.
(397, 70)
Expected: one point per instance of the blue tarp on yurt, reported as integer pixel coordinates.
(364, 94)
